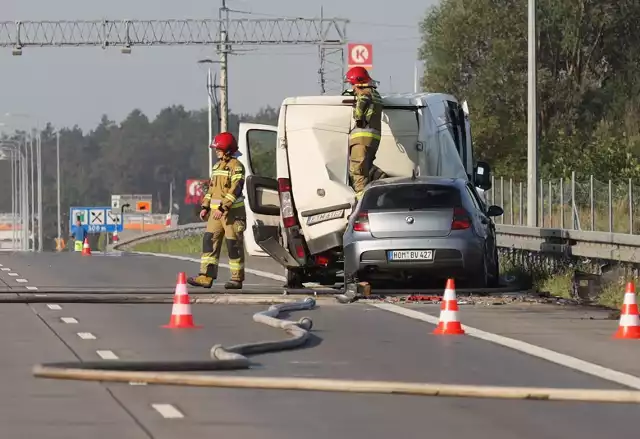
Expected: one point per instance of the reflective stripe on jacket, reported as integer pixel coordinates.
(225, 188)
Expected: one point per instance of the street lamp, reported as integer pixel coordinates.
(532, 114)
(19, 184)
(38, 140)
(210, 99)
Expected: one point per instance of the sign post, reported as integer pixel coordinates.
(97, 219)
(360, 55)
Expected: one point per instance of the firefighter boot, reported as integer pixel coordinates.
(201, 280)
(233, 285)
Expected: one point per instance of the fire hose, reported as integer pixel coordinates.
(235, 357)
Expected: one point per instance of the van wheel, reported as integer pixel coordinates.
(294, 279)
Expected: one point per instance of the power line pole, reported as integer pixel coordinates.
(532, 129)
(223, 16)
(58, 183)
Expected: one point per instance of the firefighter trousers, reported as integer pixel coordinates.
(361, 157)
(229, 227)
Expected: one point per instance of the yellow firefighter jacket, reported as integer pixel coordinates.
(225, 187)
(367, 115)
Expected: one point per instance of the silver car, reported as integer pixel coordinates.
(428, 228)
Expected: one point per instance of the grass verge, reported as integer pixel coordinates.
(190, 245)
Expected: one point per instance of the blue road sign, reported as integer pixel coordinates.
(97, 219)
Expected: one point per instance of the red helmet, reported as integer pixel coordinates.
(357, 75)
(225, 142)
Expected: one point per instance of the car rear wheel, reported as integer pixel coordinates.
(294, 279)
(482, 279)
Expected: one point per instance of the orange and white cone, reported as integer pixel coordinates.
(629, 326)
(115, 236)
(86, 248)
(449, 323)
(181, 317)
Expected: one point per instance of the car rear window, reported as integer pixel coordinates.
(407, 196)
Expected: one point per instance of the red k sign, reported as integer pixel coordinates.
(360, 55)
(194, 191)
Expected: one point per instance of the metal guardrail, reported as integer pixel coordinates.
(571, 243)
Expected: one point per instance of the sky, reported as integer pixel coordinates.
(76, 86)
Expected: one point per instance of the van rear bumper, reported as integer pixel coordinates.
(267, 238)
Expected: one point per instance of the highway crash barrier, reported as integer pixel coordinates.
(232, 358)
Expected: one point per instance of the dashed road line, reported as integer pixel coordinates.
(22, 281)
(137, 383)
(86, 336)
(107, 355)
(54, 307)
(68, 320)
(32, 288)
(530, 349)
(13, 274)
(5, 269)
(167, 411)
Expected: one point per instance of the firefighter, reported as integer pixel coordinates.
(364, 137)
(223, 208)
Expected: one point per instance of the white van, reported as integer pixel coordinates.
(297, 185)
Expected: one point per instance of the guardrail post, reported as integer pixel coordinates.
(630, 207)
(550, 205)
(592, 214)
(562, 202)
(511, 200)
(573, 200)
(541, 218)
(502, 198)
(521, 204)
(610, 207)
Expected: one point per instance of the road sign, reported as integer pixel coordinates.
(194, 191)
(97, 219)
(113, 217)
(137, 203)
(360, 55)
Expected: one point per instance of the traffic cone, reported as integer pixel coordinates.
(449, 323)
(115, 236)
(181, 317)
(86, 248)
(629, 326)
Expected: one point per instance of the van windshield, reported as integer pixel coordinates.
(411, 197)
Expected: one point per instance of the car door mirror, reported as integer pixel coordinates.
(495, 211)
(482, 178)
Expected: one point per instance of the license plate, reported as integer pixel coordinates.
(410, 255)
(322, 217)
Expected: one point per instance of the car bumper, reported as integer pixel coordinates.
(452, 256)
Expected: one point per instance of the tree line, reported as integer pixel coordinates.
(136, 156)
(588, 53)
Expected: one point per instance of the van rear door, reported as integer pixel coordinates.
(257, 146)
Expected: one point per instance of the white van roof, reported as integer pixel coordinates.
(390, 100)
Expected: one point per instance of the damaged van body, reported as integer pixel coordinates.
(297, 183)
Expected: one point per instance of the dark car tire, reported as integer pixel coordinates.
(494, 279)
(482, 279)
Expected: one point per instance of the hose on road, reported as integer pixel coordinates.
(234, 357)
(231, 358)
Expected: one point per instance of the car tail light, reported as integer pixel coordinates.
(286, 203)
(460, 220)
(361, 224)
(300, 251)
(322, 260)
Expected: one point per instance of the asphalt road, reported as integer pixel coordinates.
(356, 341)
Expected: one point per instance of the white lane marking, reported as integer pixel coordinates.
(167, 411)
(137, 383)
(1, 265)
(185, 258)
(40, 295)
(32, 289)
(68, 320)
(54, 306)
(13, 274)
(6, 269)
(22, 281)
(86, 336)
(107, 355)
(521, 346)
